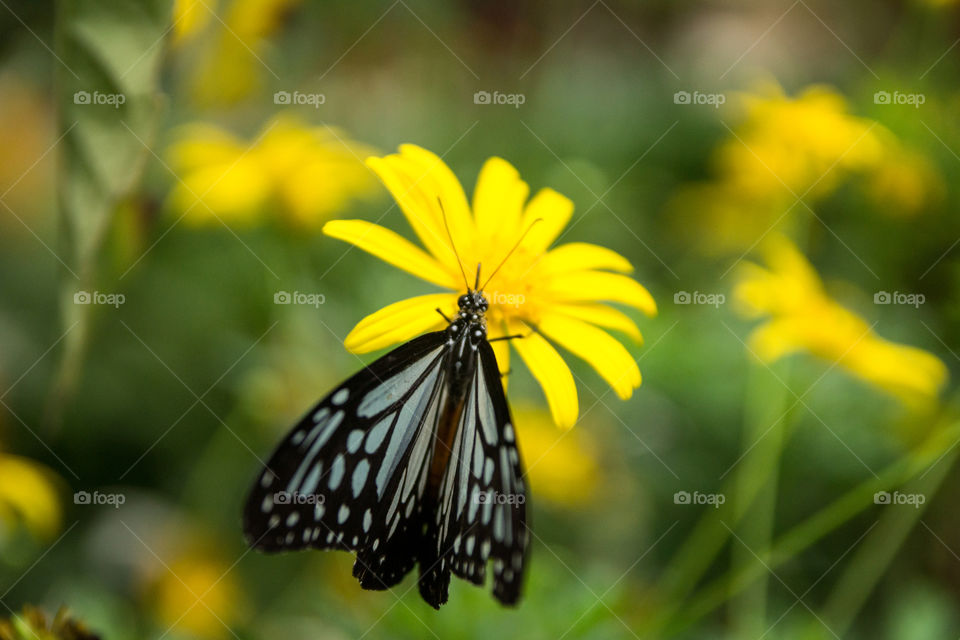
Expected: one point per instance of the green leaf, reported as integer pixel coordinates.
(109, 56)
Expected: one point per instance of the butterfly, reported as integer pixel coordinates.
(413, 461)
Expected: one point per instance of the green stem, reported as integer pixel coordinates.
(875, 554)
(711, 532)
(768, 408)
(808, 532)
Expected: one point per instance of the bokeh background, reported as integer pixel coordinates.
(783, 176)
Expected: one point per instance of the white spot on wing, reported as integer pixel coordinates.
(340, 396)
(359, 477)
(354, 440)
(336, 472)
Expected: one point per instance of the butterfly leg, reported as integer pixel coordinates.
(449, 321)
(513, 337)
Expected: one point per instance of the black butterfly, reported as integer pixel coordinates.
(411, 461)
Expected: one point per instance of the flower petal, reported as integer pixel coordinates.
(390, 247)
(498, 201)
(582, 256)
(418, 201)
(554, 210)
(604, 353)
(445, 184)
(501, 348)
(550, 371)
(601, 315)
(596, 286)
(400, 322)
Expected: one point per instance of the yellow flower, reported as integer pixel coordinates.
(232, 64)
(28, 495)
(563, 469)
(308, 172)
(783, 147)
(802, 142)
(190, 17)
(905, 183)
(538, 293)
(801, 317)
(197, 596)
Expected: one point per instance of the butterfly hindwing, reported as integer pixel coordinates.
(481, 515)
(350, 475)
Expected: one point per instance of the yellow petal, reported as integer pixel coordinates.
(582, 256)
(501, 348)
(601, 315)
(400, 322)
(549, 369)
(498, 201)
(554, 210)
(419, 205)
(597, 286)
(445, 184)
(390, 247)
(604, 353)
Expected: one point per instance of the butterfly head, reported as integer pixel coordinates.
(472, 302)
(470, 322)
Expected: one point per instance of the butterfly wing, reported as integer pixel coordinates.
(482, 510)
(350, 475)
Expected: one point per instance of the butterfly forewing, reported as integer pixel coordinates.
(346, 466)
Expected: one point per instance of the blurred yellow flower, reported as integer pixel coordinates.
(307, 172)
(197, 596)
(232, 64)
(539, 293)
(784, 147)
(904, 183)
(562, 467)
(28, 497)
(801, 317)
(190, 17)
(797, 143)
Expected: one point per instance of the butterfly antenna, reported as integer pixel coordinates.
(509, 253)
(453, 246)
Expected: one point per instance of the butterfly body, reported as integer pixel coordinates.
(412, 461)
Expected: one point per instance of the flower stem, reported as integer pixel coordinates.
(768, 407)
(810, 531)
